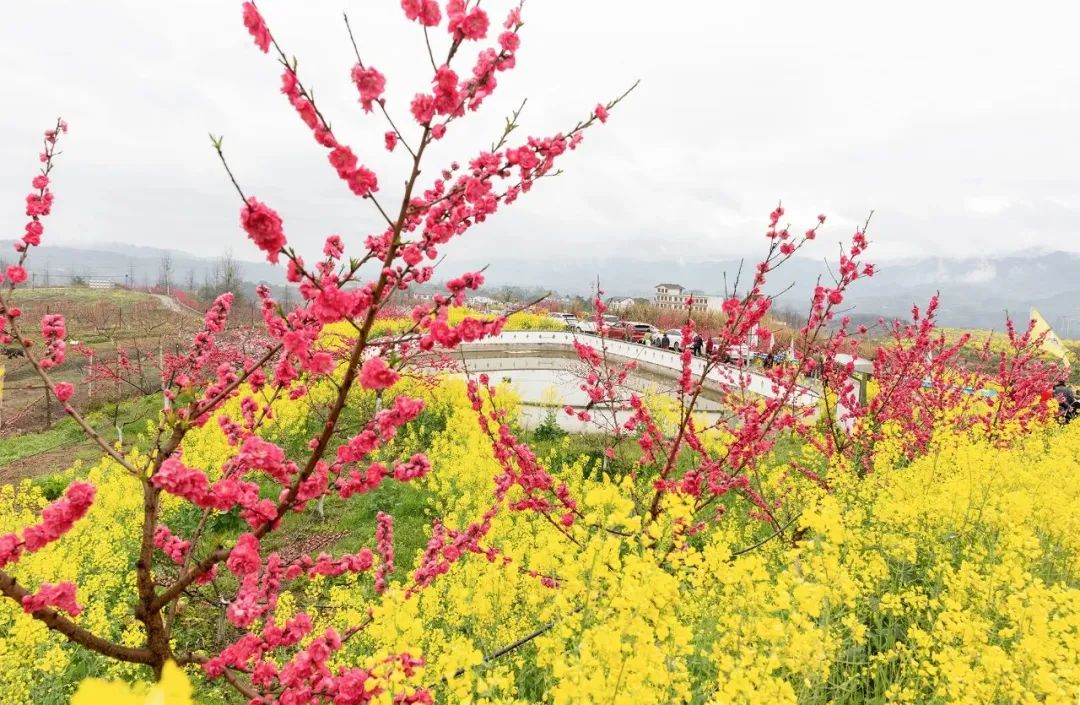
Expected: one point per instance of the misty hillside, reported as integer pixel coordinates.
(132, 265)
(975, 292)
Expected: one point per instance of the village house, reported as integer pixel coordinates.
(675, 296)
(621, 303)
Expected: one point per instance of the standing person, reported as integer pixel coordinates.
(709, 347)
(698, 342)
(1067, 401)
(775, 357)
(665, 341)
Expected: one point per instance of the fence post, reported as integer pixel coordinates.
(48, 407)
(161, 367)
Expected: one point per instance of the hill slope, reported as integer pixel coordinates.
(976, 292)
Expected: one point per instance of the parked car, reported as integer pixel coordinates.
(614, 330)
(567, 319)
(636, 331)
(587, 325)
(674, 338)
(740, 354)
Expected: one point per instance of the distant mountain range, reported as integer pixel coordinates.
(975, 292)
(134, 265)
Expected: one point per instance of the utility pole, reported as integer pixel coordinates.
(165, 274)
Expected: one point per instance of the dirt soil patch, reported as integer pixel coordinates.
(47, 463)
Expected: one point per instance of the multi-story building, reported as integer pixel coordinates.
(675, 296)
(669, 296)
(620, 303)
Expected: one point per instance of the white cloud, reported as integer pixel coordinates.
(841, 107)
(984, 273)
(987, 205)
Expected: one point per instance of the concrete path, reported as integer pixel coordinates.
(175, 306)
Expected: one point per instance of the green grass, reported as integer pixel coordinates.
(406, 503)
(19, 447)
(82, 294)
(66, 432)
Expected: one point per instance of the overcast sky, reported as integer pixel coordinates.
(955, 121)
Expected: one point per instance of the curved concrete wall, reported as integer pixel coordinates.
(654, 359)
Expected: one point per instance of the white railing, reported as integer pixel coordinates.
(729, 376)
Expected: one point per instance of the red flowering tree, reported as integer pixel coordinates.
(920, 383)
(336, 287)
(677, 461)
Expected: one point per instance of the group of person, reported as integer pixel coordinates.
(709, 346)
(664, 342)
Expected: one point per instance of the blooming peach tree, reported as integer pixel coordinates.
(919, 386)
(260, 481)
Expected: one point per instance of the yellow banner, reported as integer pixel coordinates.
(1051, 343)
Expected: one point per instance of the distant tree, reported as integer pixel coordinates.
(516, 294)
(792, 316)
(580, 306)
(228, 272)
(189, 282)
(225, 277)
